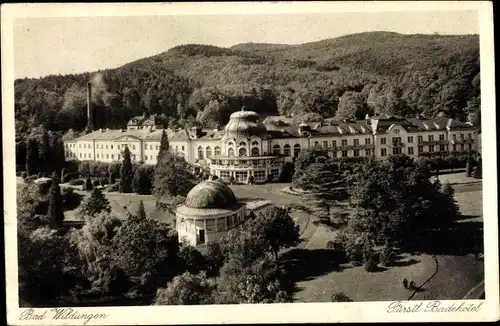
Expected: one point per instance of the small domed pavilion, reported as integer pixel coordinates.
(211, 209)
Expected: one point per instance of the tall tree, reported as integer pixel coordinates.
(44, 151)
(322, 180)
(131, 251)
(164, 144)
(277, 228)
(32, 161)
(141, 212)
(187, 289)
(55, 211)
(173, 176)
(126, 172)
(141, 183)
(352, 106)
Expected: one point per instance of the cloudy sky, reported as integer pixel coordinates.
(64, 45)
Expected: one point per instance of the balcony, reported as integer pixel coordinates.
(397, 145)
(243, 167)
(462, 141)
(347, 147)
(433, 142)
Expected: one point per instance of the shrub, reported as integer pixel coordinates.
(113, 187)
(468, 168)
(67, 178)
(70, 199)
(76, 182)
(340, 297)
(87, 185)
(104, 181)
(478, 171)
(24, 175)
(356, 263)
(371, 264)
(387, 256)
(96, 183)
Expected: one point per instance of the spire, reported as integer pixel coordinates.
(243, 108)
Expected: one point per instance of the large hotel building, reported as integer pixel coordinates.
(251, 149)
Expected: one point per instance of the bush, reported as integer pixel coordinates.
(24, 175)
(96, 182)
(67, 177)
(356, 263)
(387, 256)
(114, 187)
(371, 264)
(340, 297)
(104, 181)
(70, 199)
(87, 185)
(76, 182)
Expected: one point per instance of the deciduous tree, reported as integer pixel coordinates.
(187, 289)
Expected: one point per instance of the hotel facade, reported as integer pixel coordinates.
(249, 149)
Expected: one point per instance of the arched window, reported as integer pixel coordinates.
(200, 152)
(276, 149)
(242, 151)
(243, 143)
(296, 150)
(286, 150)
(255, 143)
(230, 152)
(230, 144)
(217, 151)
(255, 151)
(208, 152)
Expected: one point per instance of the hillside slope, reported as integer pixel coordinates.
(372, 72)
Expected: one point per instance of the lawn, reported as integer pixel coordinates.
(121, 203)
(316, 279)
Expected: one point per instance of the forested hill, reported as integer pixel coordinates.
(345, 77)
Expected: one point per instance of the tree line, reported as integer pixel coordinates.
(196, 84)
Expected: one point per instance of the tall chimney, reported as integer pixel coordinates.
(90, 112)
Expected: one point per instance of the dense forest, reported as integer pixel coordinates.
(345, 77)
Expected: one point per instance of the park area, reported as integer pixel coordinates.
(444, 276)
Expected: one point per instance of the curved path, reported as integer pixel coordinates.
(420, 287)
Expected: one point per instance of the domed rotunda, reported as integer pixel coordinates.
(246, 155)
(210, 210)
(245, 124)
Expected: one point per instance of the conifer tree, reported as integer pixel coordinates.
(141, 212)
(126, 172)
(164, 145)
(478, 172)
(32, 157)
(468, 167)
(55, 211)
(44, 151)
(94, 205)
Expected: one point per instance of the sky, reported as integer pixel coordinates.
(63, 45)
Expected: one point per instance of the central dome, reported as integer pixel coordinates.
(210, 194)
(244, 124)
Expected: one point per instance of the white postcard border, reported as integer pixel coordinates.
(273, 313)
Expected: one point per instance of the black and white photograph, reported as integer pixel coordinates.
(177, 158)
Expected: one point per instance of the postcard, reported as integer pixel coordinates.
(219, 163)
